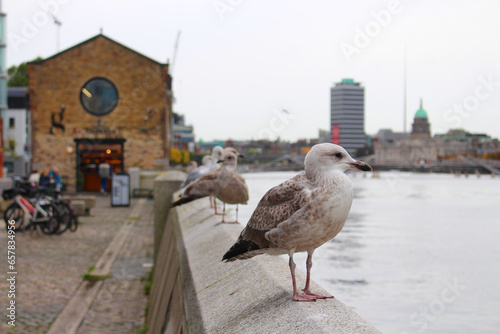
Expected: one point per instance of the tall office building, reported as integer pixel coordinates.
(347, 110)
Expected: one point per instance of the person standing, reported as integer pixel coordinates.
(56, 177)
(44, 180)
(104, 172)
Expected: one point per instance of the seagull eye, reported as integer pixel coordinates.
(338, 155)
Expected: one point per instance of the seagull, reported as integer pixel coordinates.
(224, 183)
(206, 167)
(230, 187)
(302, 213)
(214, 205)
(192, 165)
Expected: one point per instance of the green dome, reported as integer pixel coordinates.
(421, 113)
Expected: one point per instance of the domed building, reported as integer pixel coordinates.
(421, 128)
(407, 149)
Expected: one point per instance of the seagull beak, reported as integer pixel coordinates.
(361, 166)
(241, 156)
(220, 161)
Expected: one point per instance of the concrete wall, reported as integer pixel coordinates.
(194, 291)
(166, 306)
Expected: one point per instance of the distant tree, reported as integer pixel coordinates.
(18, 75)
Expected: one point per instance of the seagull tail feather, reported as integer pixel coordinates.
(242, 250)
(185, 200)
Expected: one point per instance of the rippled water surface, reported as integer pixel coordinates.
(420, 253)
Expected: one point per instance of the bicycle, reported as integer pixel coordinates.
(68, 220)
(43, 214)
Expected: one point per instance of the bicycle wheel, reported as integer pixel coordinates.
(52, 224)
(64, 216)
(15, 213)
(73, 223)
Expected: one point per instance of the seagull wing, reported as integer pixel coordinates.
(202, 187)
(276, 206)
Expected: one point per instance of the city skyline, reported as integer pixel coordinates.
(240, 64)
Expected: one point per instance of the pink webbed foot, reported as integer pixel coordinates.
(303, 298)
(315, 295)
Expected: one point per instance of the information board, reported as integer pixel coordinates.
(120, 189)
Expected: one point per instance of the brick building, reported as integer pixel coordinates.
(96, 102)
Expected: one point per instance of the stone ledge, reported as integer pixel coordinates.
(78, 206)
(89, 201)
(250, 296)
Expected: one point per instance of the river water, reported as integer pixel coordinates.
(420, 253)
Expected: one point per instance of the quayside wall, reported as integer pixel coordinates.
(193, 291)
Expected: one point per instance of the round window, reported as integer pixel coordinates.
(99, 96)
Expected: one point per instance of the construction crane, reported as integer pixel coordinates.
(58, 23)
(171, 67)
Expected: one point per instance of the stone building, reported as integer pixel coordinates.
(458, 142)
(96, 102)
(416, 148)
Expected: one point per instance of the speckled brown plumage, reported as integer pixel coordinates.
(224, 183)
(302, 213)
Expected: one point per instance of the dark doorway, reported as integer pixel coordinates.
(92, 152)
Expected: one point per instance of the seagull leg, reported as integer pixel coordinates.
(308, 278)
(215, 205)
(223, 213)
(236, 221)
(297, 296)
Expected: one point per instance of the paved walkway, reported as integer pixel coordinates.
(50, 269)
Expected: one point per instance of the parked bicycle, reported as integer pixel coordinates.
(45, 209)
(42, 214)
(68, 219)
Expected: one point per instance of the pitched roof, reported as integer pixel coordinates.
(90, 40)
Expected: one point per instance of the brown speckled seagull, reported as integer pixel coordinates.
(224, 183)
(230, 187)
(302, 213)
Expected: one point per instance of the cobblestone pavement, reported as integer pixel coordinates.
(49, 270)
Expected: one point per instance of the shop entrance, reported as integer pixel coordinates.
(92, 152)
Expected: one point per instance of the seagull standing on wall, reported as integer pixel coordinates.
(224, 183)
(230, 187)
(208, 165)
(302, 213)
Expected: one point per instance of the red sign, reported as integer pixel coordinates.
(336, 134)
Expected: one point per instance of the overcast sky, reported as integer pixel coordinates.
(239, 63)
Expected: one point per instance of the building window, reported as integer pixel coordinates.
(99, 96)
(9, 166)
(12, 122)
